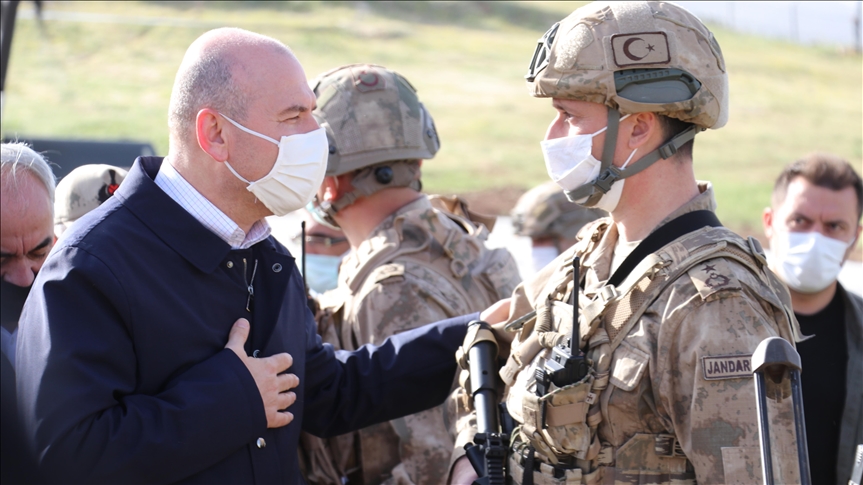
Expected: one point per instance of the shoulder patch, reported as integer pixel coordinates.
(394, 272)
(726, 366)
(712, 276)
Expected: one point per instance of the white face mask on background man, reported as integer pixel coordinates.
(808, 262)
(297, 174)
(570, 163)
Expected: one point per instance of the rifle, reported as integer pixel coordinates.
(488, 452)
(567, 364)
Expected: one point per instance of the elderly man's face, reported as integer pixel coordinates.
(808, 207)
(280, 104)
(26, 230)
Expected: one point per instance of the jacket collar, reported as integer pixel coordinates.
(176, 227)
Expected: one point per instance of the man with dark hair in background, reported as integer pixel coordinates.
(813, 225)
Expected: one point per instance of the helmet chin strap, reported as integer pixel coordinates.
(366, 181)
(608, 173)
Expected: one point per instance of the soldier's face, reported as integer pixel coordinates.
(578, 118)
(808, 207)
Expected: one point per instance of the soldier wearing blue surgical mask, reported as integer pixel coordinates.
(813, 226)
(325, 248)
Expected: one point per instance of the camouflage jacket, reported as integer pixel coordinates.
(418, 266)
(670, 397)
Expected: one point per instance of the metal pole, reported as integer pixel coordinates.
(764, 429)
(800, 427)
(771, 359)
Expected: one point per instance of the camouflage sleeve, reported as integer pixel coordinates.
(391, 306)
(703, 380)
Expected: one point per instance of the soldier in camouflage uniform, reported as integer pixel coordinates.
(411, 263)
(669, 394)
(550, 220)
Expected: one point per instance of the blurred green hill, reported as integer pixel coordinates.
(104, 70)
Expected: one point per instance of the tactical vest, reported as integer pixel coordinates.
(491, 274)
(558, 437)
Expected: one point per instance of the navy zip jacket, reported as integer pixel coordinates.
(122, 372)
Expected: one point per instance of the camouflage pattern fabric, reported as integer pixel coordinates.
(418, 266)
(589, 46)
(670, 398)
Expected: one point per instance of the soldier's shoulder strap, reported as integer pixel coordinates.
(674, 229)
(662, 268)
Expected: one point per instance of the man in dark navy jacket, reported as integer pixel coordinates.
(124, 373)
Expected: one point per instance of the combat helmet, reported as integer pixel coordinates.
(545, 212)
(633, 57)
(376, 126)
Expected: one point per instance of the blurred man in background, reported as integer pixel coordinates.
(813, 225)
(410, 263)
(550, 220)
(325, 248)
(28, 187)
(82, 190)
(27, 192)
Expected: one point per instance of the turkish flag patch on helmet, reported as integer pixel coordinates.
(641, 48)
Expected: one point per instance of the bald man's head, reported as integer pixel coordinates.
(216, 73)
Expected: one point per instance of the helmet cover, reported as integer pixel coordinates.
(634, 57)
(371, 115)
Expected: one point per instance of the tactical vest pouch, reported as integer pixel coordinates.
(647, 458)
(564, 418)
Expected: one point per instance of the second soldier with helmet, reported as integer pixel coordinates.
(410, 263)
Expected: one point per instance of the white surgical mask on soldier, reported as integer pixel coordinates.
(569, 161)
(297, 174)
(542, 255)
(808, 262)
(322, 271)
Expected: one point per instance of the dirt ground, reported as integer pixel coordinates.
(493, 202)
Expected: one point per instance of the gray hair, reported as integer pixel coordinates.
(18, 156)
(206, 77)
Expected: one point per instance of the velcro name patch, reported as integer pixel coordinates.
(726, 366)
(642, 48)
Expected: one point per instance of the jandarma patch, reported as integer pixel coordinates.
(726, 366)
(642, 48)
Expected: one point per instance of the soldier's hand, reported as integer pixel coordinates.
(497, 315)
(267, 372)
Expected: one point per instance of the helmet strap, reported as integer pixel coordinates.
(405, 173)
(608, 173)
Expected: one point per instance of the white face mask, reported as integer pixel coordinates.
(542, 255)
(322, 271)
(570, 163)
(297, 174)
(807, 262)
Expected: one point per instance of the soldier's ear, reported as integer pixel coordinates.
(641, 129)
(767, 221)
(330, 188)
